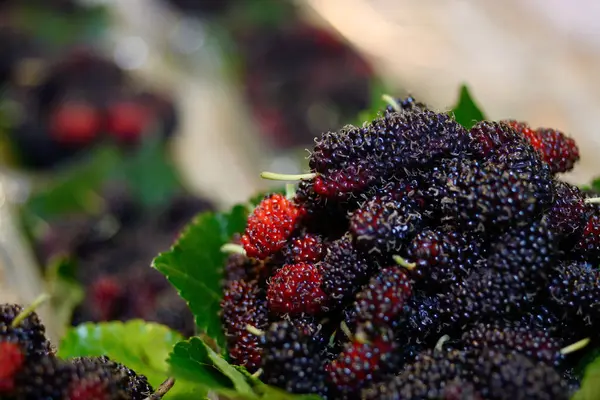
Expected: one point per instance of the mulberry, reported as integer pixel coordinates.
(431, 376)
(383, 298)
(244, 304)
(343, 271)
(395, 141)
(308, 248)
(588, 246)
(11, 361)
(442, 256)
(296, 288)
(558, 150)
(568, 214)
(573, 291)
(535, 344)
(488, 198)
(383, 227)
(490, 136)
(30, 334)
(361, 363)
(350, 180)
(292, 360)
(511, 376)
(269, 226)
(135, 387)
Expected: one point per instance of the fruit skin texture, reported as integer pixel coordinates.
(295, 289)
(269, 226)
(488, 197)
(382, 300)
(243, 304)
(491, 136)
(11, 361)
(536, 345)
(340, 184)
(573, 293)
(588, 246)
(361, 362)
(568, 214)
(510, 376)
(343, 270)
(441, 256)
(518, 267)
(428, 377)
(308, 248)
(134, 386)
(292, 359)
(52, 378)
(393, 142)
(30, 334)
(382, 226)
(559, 151)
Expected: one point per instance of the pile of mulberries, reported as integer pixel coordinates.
(421, 260)
(30, 370)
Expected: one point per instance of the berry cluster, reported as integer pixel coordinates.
(29, 369)
(419, 260)
(330, 80)
(67, 106)
(113, 251)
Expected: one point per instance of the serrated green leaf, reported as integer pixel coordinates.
(194, 266)
(193, 360)
(141, 346)
(590, 385)
(466, 111)
(65, 290)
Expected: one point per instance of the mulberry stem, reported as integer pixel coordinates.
(575, 346)
(391, 101)
(592, 200)
(255, 331)
(41, 299)
(290, 191)
(439, 346)
(232, 248)
(258, 373)
(344, 328)
(273, 176)
(403, 263)
(162, 389)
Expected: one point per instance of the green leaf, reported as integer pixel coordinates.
(75, 190)
(150, 173)
(590, 385)
(194, 266)
(141, 346)
(65, 290)
(466, 111)
(194, 361)
(596, 185)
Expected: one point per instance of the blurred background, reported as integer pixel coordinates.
(122, 119)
